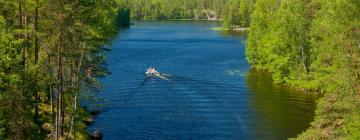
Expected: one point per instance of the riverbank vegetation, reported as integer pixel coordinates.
(49, 50)
(314, 45)
(237, 14)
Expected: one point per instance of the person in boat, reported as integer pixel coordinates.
(152, 70)
(148, 71)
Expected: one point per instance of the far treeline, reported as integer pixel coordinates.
(176, 9)
(51, 52)
(234, 13)
(313, 45)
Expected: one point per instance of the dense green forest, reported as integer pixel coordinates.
(49, 50)
(234, 13)
(52, 50)
(176, 9)
(313, 45)
(238, 13)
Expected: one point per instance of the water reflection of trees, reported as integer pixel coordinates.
(279, 111)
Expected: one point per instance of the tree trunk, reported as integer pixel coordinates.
(58, 91)
(20, 15)
(36, 51)
(74, 116)
(59, 77)
(22, 26)
(73, 122)
(62, 106)
(76, 87)
(303, 57)
(26, 49)
(51, 90)
(36, 55)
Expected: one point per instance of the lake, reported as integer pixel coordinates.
(210, 92)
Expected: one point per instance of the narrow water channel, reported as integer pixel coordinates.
(211, 93)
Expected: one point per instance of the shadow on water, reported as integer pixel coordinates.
(282, 112)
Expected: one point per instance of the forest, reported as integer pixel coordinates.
(53, 50)
(176, 9)
(50, 51)
(313, 45)
(234, 13)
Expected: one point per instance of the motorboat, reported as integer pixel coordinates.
(151, 72)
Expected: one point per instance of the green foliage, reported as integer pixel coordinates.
(245, 11)
(231, 13)
(10, 77)
(335, 38)
(237, 13)
(176, 9)
(67, 37)
(256, 50)
(234, 13)
(290, 43)
(314, 45)
(123, 16)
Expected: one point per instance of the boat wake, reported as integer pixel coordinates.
(170, 79)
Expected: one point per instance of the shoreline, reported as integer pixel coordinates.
(178, 19)
(237, 29)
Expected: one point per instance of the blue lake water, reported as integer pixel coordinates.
(211, 94)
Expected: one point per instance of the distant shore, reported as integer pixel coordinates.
(181, 19)
(235, 29)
